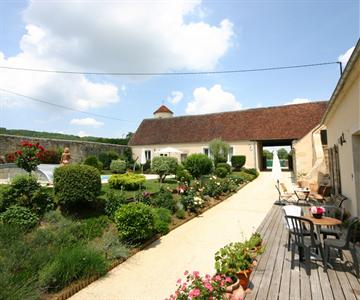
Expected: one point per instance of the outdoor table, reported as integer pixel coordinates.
(304, 191)
(323, 221)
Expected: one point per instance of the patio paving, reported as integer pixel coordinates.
(152, 273)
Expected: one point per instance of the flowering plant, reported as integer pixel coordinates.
(201, 288)
(317, 210)
(28, 157)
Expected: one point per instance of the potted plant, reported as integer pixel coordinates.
(235, 259)
(201, 287)
(255, 244)
(317, 211)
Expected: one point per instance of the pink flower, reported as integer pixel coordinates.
(186, 272)
(207, 276)
(217, 278)
(194, 293)
(228, 279)
(209, 286)
(196, 274)
(178, 281)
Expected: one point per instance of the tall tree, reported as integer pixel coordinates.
(219, 150)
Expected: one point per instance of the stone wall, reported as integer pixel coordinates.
(79, 149)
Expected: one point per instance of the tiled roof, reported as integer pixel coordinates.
(163, 109)
(270, 123)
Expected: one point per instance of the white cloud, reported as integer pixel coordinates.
(109, 36)
(176, 97)
(298, 101)
(212, 100)
(87, 122)
(344, 58)
(82, 133)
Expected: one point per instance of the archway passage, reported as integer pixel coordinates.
(284, 150)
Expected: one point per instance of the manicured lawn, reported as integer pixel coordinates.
(151, 186)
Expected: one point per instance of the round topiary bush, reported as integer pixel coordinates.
(128, 181)
(198, 165)
(118, 166)
(221, 172)
(135, 222)
(238, 161)
(19, 216)
(76, 184)
(94, 162)
(224, 165)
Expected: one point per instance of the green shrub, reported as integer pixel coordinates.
(213, 187)
(143, 197)
(224, 165)
(198, 165)
(118, 166)
(183, 175)
(238, 161)
(128, 181)
(251, 171)
(71, 264)
(180, 213)
(221, 172)
(24, 190)
(236, 179)
(135, 222)
(114, 200)
(246, 176)
(162, 220)
(110, 245)
(107, 157)
(165, 199)
(93, 162)
(75, 185)
(19, 216)
(163, 166)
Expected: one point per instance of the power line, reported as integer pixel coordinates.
(171, 73)
(63, 106)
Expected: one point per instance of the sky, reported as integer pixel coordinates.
(164, 37)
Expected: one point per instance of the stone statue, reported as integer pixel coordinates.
(65, 157)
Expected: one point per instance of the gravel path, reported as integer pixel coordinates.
(152, 273)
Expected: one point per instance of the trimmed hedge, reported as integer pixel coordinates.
(238, 161)
(128, 181)
(118, 166)
(135, 222)
(198, 165)
(76, 184)
(107, 157)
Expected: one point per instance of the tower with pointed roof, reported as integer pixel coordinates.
(163, 112)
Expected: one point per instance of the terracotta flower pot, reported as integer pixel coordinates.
(234, 291)
(244, 277)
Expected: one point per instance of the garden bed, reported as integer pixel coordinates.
(75, 287)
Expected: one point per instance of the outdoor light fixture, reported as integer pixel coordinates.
(342, 139)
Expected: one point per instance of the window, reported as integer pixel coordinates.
(206, 151)
(148, 154)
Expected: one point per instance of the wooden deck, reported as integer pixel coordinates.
(274, 279)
